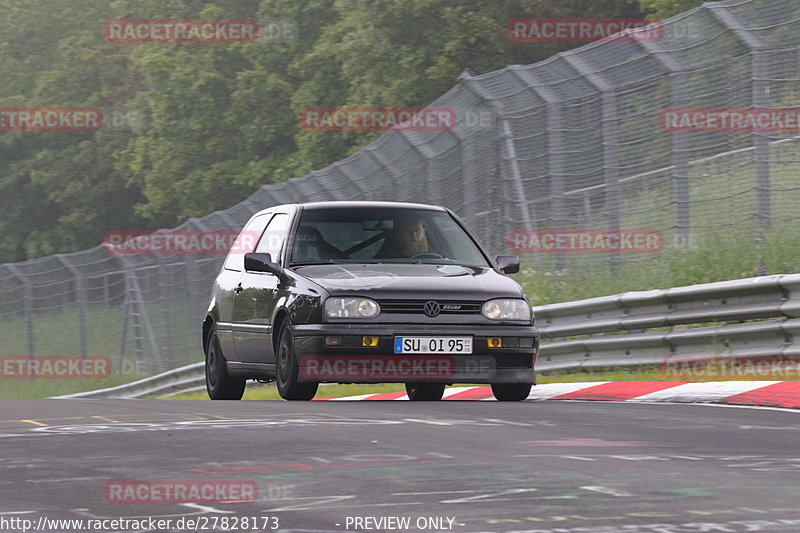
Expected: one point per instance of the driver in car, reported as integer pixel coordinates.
(406, 239)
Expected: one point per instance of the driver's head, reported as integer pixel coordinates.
(408, 237)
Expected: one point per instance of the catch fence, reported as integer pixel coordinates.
(576, 142)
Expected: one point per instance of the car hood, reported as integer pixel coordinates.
(412, 281)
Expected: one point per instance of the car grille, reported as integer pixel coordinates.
(447, 307)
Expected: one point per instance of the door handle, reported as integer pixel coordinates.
(238, 289)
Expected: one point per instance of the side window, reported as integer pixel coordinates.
(245, 242)
(273, 238)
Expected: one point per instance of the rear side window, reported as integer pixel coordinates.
(246, 242)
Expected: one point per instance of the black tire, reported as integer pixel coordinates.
(287, 369)
(511, 392)
(425, 392)
(219, 384)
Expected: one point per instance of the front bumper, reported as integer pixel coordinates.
(353, 363)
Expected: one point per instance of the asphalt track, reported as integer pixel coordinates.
(566, 467)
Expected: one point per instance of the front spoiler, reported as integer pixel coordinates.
(356, 364)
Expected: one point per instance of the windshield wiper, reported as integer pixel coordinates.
(335, 262)
(309, 263)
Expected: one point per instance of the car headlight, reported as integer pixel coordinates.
(351, 308)
(506, 309)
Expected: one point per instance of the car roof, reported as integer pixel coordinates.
(354, 204)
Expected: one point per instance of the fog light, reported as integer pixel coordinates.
(369, 341)
(526, 342)
(494, 342)
(333, 341)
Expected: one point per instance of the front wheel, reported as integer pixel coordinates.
(511, 392)
(425, 392)
(219, 384)
(289, 387)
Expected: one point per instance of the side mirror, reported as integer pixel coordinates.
(261, 263)
(508, 264)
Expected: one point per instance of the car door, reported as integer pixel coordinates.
(254, 298)
(228, 279)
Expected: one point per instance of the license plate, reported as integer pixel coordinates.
(433, 345)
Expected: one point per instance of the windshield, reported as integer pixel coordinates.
(383, 235)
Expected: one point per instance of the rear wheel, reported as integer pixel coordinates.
(289, 386)
(511, 392)
(425, 392)
(219, 384)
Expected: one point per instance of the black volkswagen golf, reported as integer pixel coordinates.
(366, 292)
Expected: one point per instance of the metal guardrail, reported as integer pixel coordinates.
(611, 331)
(184, 379)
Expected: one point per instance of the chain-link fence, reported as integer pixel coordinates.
(575, 142)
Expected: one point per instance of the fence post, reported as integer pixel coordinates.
(396, 175)
(353, 177)
(759, 99)
(555, 155)
(136, 312)
(167, 341)
(508, 154)
(679, 98)
(81, 299)
(611, 173)
(762, 144)
(27, 296)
